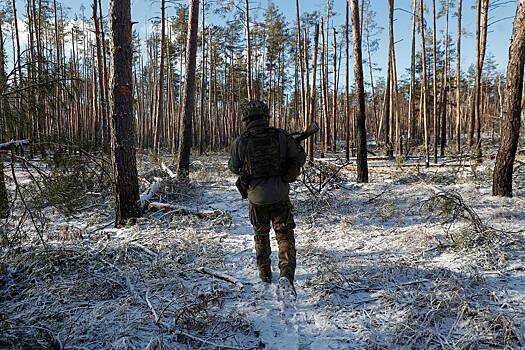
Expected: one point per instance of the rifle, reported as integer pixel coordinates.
(311, 130)
(243, 181)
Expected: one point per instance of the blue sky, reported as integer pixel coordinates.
(498, 36)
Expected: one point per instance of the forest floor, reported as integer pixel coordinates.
(417, 258)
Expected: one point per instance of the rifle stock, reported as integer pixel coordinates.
(311, 130)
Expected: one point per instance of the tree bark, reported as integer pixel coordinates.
(188, 93)
(502, 178)
(123, 123)
(362, 164)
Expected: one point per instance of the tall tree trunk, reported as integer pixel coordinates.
(100, 68)
(434, 82)
(313, 102)
(458, 81)
(362, 164)
(301, 61)
(123, 122)
(444, 89)
(411, 104)
(424, 87)
(189, 92)
(502, 178)
(159, 115)
(4, 200)
(18, 57)
(248, 50)
(370, 72)
(347, 79)
(334, 103)
(203, 83)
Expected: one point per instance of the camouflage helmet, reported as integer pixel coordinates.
(254, 110)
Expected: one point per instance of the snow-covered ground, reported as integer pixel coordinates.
(417, 258)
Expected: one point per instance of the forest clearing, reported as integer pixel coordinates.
(246, 174)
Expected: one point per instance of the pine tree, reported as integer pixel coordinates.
(123, 124)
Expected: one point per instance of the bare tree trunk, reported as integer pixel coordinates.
(362, 164)
(424, 87)
(249, 51)
(100, 67)
(123, 123)
(411, 104)
(18, 56)
(434, 81)
(347, 78)
(458, 82)
(301, 61)
(370, 72)
(4, 199)
(189, 92)
(313, 104)
(334, 104)
(502, 178)
(444, 89)
(159, 115)
(203, 84)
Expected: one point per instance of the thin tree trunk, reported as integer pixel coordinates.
(444, 89)
(249, 51)
(347, 79)
(362, 164)
(424, 87)
(434, 81)
(411, 104)
(458, 82)
(313, 104)
(189, 92)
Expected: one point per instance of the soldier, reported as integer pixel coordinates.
(269, 159)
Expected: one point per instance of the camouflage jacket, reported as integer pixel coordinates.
(273, 189)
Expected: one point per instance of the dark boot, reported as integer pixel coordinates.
(287, 254)
(262, 254)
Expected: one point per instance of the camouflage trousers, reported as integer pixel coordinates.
(280, 216)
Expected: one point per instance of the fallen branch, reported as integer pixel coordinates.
(221, 276)
(204, 341)
(13, 143)
(149, 193)
(171, 209)
(146, 196)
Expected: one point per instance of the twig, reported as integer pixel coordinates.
(221, 276)
(204, 341)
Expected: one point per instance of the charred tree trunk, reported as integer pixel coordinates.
(123, 123)
(188, 93)
(502, 178)
(362, 164)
